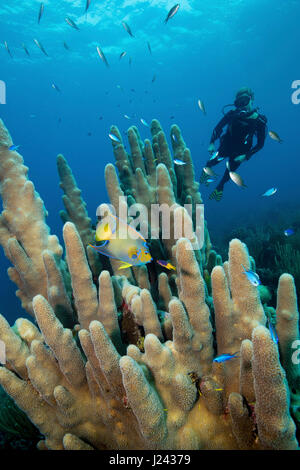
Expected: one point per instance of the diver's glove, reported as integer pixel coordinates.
(216, 195)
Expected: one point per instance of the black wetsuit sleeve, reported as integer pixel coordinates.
(220, 126)
(261, 133)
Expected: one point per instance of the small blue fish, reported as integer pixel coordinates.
(214, 155)
(220, 159)
(252, 277)
(270, 192)
(288, 232)
(179, 162)
(144, 122)
(272, 332)
(114, 138)
(210, 180)
(225, 357)
(12, 148)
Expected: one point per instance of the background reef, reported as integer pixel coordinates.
(126, 362)
(274, 252)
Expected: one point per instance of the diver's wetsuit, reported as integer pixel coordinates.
(238, 139)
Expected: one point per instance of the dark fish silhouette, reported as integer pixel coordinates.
(88, 2)
(25, 49)
(102, 56)
(149, 47)
(71, 23)
(41, 12)
(127, 28)
(66, 46)
(122, 55)
(172, 12)
(154, 78)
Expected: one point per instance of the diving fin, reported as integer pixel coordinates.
(216, 195)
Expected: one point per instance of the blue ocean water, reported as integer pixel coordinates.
(208, 50)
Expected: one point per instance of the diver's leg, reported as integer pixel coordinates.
(217, 194)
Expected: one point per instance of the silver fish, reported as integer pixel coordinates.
(237, 179)
(71, 23)
(7, 48)
(127, 28)
(55, 87)
(201, 106)
(275, 137)
(41, 12)
(172, 12)
(39, 45)
(102, 56)
(123, 54)
(209, 171)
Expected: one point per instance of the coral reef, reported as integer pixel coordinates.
(127, 362)
(273, 251)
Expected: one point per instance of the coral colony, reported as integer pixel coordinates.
(146, 357)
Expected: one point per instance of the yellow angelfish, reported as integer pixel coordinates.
(121, 242)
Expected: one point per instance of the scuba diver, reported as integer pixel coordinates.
(243, 123)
